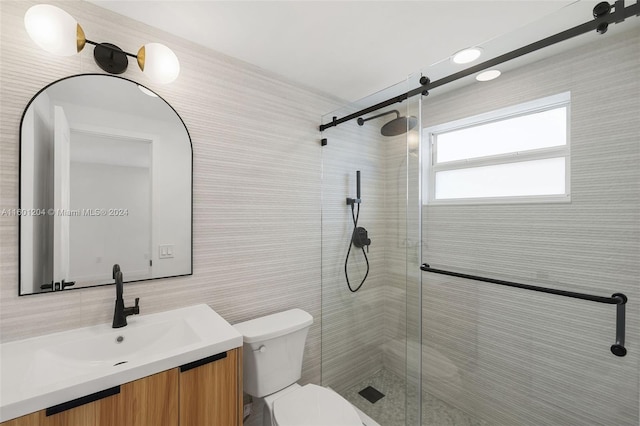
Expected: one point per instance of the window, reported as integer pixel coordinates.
(516, 154)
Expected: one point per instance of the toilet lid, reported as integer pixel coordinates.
(313, 405)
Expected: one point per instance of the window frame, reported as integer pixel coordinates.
(531, 107)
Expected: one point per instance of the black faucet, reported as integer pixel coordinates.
(121, 313)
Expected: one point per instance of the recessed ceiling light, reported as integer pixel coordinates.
(488, 75)
(466, 55)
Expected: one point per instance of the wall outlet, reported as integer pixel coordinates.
(247, 410)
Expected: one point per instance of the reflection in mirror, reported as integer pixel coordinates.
(105, 178)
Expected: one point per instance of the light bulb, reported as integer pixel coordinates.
(54, 30)
(158, 62)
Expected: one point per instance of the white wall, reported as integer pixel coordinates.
(171, 175)
(37, 252)
(99, 242)
(27, 272)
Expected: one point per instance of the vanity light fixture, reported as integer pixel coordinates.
(57, 32)
(466, 55)
(488, 75)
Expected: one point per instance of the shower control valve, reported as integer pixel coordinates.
(361, 238)
(352, 201)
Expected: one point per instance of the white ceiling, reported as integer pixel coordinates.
(348, 49)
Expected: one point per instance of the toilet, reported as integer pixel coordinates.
(272, 361)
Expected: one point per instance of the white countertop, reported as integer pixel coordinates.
(44, 371)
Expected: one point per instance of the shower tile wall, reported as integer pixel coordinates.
(256, 242)
(394, 346)
(364, 335)
(526, 358)
(365, 332)
(352, 324)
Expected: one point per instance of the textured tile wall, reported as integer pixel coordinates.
(518, 357)
(366, 331)
(256, 242)
(352, 323)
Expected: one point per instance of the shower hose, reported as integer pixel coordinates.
(355, 217)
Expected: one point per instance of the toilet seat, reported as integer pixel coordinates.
(313, 405)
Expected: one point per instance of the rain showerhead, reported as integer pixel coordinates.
(399, 126)
(395, 127)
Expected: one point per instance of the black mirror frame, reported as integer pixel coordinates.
(20, 184)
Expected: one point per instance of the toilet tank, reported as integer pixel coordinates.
(273, 350)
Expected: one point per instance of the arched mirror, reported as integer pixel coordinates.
(105, 178)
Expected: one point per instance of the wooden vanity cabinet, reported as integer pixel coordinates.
(211, 391)
(206, 392)
(152, 400)
(32, 419)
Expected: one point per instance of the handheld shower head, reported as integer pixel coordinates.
(395, 127)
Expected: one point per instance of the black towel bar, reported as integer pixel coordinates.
(617, 299)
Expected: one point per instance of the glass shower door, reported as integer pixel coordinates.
(496, 355)
(368, 334)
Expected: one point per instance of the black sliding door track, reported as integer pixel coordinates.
(619, 14)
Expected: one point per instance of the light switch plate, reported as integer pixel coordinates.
(165, 251)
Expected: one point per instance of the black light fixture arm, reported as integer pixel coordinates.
(111, 47)
(602, 18)
(110, 57)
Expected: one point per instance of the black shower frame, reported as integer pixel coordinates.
(602, 18)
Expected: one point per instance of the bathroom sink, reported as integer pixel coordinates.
(111, 347)
(39, 372)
